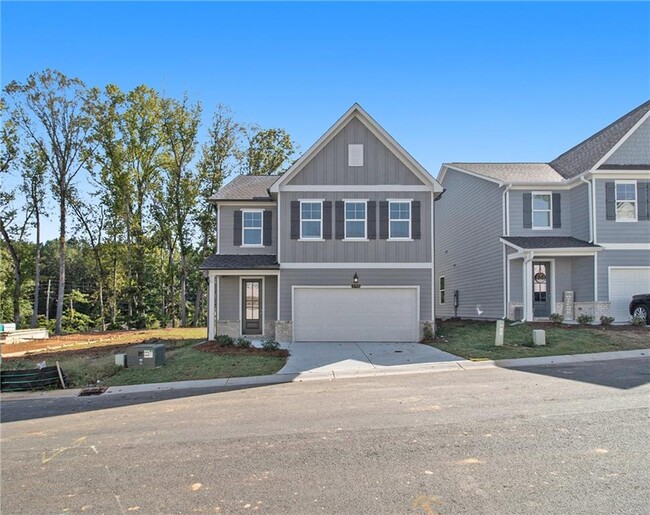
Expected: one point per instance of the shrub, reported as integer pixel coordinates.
(605, 320)
(638, 321)
(242, 343)
(585, 319)
(427, 332)
(270, 345)
(556, 318)
(223, 340)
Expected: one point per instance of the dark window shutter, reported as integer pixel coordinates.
(268, 227)
(236, 239)
(339, 219)
(528, 210)
(295, 220)
(372, 219)
(610, 201)
(383, 220)
(642, 200)
(416, 233)
(327, 220)
(557, 211)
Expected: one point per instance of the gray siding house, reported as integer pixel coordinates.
(338, 248)
(524, 240)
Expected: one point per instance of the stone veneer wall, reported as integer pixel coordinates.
(284, 331)
(232, 328)
(595, 309)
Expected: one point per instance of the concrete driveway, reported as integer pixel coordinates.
(359, 358)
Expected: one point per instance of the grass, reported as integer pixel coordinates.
(183, 362)
(475, 340)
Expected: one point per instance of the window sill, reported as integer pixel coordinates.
(542, 228)
(311, 239)
(352, 240)
(626, 221)
(400, 239)
(251, 246)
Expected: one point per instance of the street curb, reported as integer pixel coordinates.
(445, 366)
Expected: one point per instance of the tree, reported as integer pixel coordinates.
(269, 150)
(50, 110)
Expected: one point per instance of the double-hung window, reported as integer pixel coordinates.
(399, 220)
(355, 220)
(311, 220)
(251, 228)
(542, 214)
(626, 201)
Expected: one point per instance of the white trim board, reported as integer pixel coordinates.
(358, 265)
(344, 187)
(625, 246)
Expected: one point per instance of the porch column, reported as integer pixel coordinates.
(528, 288)
(211, 311)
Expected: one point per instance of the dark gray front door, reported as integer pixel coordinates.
(541, 289)
(251, 306)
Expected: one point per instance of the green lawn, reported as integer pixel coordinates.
(475, 340)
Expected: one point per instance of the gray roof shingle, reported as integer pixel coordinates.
(240, 262)
(246, 187)
(513, 172)
(548, 242)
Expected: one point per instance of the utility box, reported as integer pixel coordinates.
(539, 337)
(120, 360)
(146, 355)
(498, 338)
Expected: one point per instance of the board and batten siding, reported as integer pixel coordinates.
(635, 150)
(367, 277)
(228, 301)
(517, 215)
(607, 258)
(579, 203)
(469, 222)
(330, 165)
(611, 231)
(341, 251)
(226, 229)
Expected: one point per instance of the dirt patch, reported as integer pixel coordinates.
(99, 339)
(214, 348)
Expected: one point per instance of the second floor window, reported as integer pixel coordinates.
(311, 220)
(252, 227)
(626, 202)
(399, 220)
(355, 220)
(541, 210)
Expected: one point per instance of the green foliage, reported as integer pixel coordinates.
(605, 320)
(224, 340)
(270, 345)
(269, 150)
(556, 318)
(242, 343)
(76, 322)
(585, 319)
(638, 321)
(428, 334)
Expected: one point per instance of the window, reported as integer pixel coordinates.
(355, 220)
(355, 155)
(252, 228)
(399, 220)
(442, 289)
(625, 201)
(311, 220)
(541, 210)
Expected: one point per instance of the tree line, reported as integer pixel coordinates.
(125, 176)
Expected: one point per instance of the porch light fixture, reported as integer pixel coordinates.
(355, 281)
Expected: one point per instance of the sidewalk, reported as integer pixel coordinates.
(448, 366)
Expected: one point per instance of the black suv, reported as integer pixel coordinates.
(640, 307)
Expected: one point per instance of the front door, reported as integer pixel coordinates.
(541, 290)
(251, 306)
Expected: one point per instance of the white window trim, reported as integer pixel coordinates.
(402, 201)
(252, 245)
(636, 202)
(308, 238)
(550, 210)
(345, 220)
(442, 290)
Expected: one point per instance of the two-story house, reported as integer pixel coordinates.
(338, 248)
(524, 240)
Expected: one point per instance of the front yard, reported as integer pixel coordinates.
(475, 340)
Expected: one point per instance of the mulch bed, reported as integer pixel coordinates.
(214, 348)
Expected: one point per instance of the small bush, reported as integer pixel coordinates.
(605, 320)
(224, 340)
(556, 318)
(585, 319)
(270, 345)
(638, 321)
(427, 332)
(242, 343)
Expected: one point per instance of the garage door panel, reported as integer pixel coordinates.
(347, 314)
(623, 283)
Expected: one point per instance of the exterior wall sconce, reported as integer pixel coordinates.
(355, 281)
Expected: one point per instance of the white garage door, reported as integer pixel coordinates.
(355, 314)
(623, 283)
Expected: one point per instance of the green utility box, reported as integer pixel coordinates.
(146, 355)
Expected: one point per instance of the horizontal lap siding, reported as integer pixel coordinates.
(611, 231)
(579, 199)
(583, 278)
(226, 231)
(270, 297)
(517, 215)
(367, 277)
(469, 222)
(563, 278)
(609, 258)
(228, 301)
(516, 280)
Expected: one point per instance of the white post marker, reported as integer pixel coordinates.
(498, 339)
(539, 337)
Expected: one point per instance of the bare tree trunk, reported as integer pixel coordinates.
(171, 284)
(17, 275)
(59, 297)
(37, 270)
(101, 304)
(183, 289)
(197, 303)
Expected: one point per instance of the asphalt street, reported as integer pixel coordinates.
(555, 439)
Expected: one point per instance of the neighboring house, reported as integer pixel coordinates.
(524, 240)
(339, 248)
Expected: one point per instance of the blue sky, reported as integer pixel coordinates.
(450, 81)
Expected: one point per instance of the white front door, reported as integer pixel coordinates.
(335, 314)
(623, 283)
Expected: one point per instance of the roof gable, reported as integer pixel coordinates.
(246, 187)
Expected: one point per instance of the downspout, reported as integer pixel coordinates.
(506, 231)
(591, 212)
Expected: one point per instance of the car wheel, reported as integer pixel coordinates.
(641, 311)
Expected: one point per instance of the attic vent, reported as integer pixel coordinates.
(355, 155)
